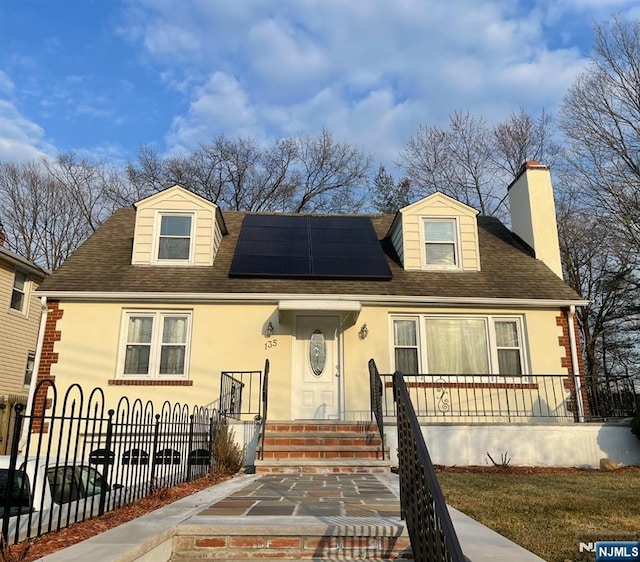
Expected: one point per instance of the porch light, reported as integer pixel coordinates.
(364, 332)
(269, 330)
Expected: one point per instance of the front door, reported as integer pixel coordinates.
(316, 372)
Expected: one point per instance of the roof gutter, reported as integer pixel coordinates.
(376, 300)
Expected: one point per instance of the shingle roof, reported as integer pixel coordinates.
(103, 264)
(22, 262)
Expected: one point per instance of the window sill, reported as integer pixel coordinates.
(150, 382)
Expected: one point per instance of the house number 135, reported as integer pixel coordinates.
(271, 343)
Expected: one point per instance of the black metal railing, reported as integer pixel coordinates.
(375, 396)
(80, 459)
(611, 396)
(241, 394)
(422, 504)
(265, 403)
(481, 398)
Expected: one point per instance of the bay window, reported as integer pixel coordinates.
(155, 344)
(458, 345)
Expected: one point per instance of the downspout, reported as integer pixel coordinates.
(36, 371)
(575, 365)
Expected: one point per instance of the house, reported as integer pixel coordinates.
(166, 296)
(19, 321)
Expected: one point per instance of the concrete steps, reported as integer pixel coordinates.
(321, 446)
(306, 539)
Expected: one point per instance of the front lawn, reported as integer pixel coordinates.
(547, 511)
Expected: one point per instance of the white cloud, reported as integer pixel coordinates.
(368, 71)
(219, 106)
(21, 139)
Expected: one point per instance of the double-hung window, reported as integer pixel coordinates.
(19, 292)
(440, 243)
(406, 345)
(175, 237)
(459, 345)
(156, 344)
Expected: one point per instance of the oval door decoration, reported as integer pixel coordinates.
(317, 352)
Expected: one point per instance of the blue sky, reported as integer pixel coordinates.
(103, 77)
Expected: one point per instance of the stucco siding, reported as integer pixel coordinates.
(230, 337)
(18, 333)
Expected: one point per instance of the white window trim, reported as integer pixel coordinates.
(156, 237)
(156, 341)
(31, 358)
(392, 339)
(26, 292)
(490, 334)
(457, 253)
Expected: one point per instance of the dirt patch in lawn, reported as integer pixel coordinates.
(30, 550)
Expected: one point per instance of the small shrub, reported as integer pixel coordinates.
(635, 424)
(228, 456)
(505, 459)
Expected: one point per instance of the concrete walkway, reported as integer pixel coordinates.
(280, 505)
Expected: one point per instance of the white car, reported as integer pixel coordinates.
(47, 496)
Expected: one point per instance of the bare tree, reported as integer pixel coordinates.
(43, 220)
(600, 117)
(471, 161)
(328, 175)
(602, 271)
(298, 174)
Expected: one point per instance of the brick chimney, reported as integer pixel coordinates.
(533, 213)
(3, 235)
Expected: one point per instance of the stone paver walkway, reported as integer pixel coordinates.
(311, 495)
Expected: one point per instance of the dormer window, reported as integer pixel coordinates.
(174, 240)
(441, 243)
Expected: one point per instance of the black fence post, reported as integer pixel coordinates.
(154, 451)
(105, 464)
(190, 448)
(13, 461)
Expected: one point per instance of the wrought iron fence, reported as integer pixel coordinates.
(612, 396)
(469, 398)
(241, 394)
(80, 459)
(428, 522)
(375, 391)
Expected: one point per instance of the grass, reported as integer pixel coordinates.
(547, 513)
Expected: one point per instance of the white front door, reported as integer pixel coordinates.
(316, 368)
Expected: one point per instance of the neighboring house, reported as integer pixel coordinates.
(165, 296)
(19, 321)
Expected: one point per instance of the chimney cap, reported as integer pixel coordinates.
(527, 165)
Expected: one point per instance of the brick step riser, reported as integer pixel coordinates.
(290, 547)
(322, 442)
(335, 428)
(322, 455)
(362, 469)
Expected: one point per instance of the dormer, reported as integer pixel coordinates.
(436, 233)
(176, 227)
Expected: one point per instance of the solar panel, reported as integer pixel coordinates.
(281, 246)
